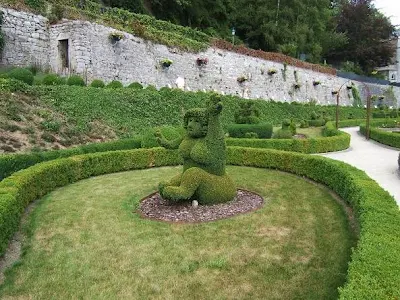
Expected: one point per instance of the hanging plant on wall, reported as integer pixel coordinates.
(334, 92)
(242, 79)
(201, 61)
(271, 72)
(316, 82)
(115, 36)
(165, 63)
(296, 86)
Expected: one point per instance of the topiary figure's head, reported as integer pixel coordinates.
(195, 122)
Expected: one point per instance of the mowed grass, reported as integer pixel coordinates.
(85, 241)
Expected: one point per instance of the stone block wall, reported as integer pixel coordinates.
(93, 55)
(26, 39)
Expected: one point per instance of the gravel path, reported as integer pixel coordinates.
(377, 160)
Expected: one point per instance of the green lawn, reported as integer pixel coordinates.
(86, 242)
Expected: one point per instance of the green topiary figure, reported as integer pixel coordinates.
(203, 150)
(247, 114)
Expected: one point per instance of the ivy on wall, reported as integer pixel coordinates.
(1, 34)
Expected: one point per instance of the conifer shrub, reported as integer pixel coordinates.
(75, 80)
(53, 79)
(263, 130)
(97, 83)
(115, 84)
(21, 74)
(136, 86)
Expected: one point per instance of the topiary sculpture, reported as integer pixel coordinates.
(247, 113)
(203, 150)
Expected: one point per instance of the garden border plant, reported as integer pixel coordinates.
(371, 273)
(381, 136)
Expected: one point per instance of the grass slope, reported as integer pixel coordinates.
(85, 242)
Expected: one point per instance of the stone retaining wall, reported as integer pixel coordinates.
(31, 40)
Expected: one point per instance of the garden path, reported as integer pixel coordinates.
(377, 160)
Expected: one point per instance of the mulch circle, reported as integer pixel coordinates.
(157, 208)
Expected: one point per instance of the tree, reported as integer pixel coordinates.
(368, 33)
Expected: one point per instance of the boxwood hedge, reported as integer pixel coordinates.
(10, 163)
(385, 137)
(373, 271)
(334, 140)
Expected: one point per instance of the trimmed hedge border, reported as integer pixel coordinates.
(10, 163)
(372, 272)
(381, 136)
(335, 140)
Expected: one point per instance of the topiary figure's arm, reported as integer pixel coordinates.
(169, 144)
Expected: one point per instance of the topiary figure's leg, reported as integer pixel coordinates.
(175, 181)
(190, 181)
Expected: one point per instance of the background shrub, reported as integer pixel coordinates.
(53, 79)
(22, 74)
(115, 84)
(248, 113)
(136, 86)
(97, 83)
(304, 124)
(316, 123)
(283, 134)
(75, 80)
(251, 135)
(263, 130)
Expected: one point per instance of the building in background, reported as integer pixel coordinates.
(392, 71)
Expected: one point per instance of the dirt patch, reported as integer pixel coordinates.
(157, 208)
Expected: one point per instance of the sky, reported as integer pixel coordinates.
(390, 8)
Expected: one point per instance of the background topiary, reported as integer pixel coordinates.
(247, 113)
(21, 74)
(97, 83)
(115, 84)
(75, 80)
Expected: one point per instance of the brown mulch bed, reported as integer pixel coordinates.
(155, 207)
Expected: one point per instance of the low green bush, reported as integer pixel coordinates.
(10, 163)
(251, 135)
(21, 74)
(115, 84)
(169, 132)
(136, 86)
(75, 80)
(378, 114)
(263, 130)
(97, 83)
(283, 134)
(52, 79)
(372, 273)
(304, 124)
(317, 122)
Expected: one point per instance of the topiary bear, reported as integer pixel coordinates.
(203, 150)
